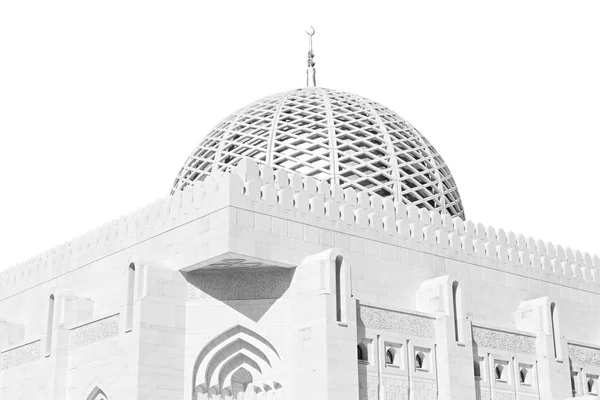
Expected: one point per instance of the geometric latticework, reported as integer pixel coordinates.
(334, 136)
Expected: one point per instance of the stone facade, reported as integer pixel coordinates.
(263, 285)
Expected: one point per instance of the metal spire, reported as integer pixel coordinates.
(311, 79)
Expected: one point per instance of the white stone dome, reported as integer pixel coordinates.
(334, 136)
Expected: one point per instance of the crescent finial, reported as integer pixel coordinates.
(311, 80)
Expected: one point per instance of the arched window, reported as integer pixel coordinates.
(339, 290)
(555, 330)
(476, 369)
(389, 356)
(419, 360)
(361, 352)
(574, 380)
(499, 372)
(455, 311)
(49, 325)
(129, 297)
(523, 375)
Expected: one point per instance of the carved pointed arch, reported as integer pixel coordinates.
(229, 333)
(97, 394)
(236, 348)
(233, 348)
(233, 364)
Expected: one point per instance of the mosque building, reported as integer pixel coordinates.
(314, 245)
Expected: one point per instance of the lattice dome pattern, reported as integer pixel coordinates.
(334, 136)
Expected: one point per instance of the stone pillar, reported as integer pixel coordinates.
(541, 316)
(69, 308)
(323, 343)
(158, 332)
(454, 342)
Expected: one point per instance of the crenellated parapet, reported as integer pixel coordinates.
(388, 220)
(317, 203)
(141, 225)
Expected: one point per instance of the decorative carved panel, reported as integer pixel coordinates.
(95, 331)
(239, 284)
(496, 339)
(482, 392)
(424, 389)
(584, 355)
(396, 387)
(502, 395)
(21, 355)
(395, 321)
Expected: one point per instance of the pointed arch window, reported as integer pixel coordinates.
(526, 374)
(422, 356)
(481, 370)
(340, 290)
(476, 369)
(389, 356)
(362, 353)
(419, 360)
(592, 384)
(499, 372)
(129, 297)
(394, 354)
(575, 380)
(555, 325)
(502, 371)
(456, 311)
(49, 325)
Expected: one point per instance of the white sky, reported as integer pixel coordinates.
(102, 102)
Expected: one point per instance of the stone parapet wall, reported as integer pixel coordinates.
(21, 354)
(584, 354)
(318, 204)
(408, 323)
(502, 339)
(94, 331)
